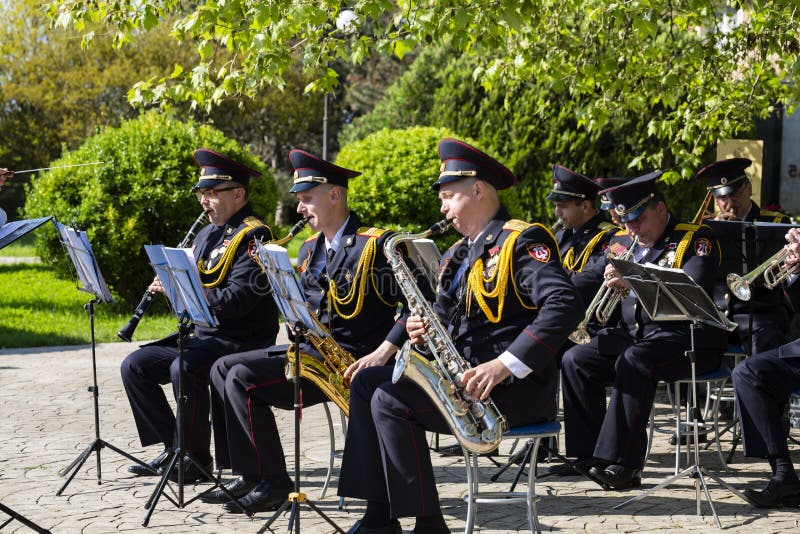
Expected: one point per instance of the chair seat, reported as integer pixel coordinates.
(549, 427)
(721, 373)
(533, 434)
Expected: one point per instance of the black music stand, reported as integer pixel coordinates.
(21, 518)
(671, 295)
(288, 295)
(177, 271)
(91, 281)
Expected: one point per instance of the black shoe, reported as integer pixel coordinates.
(392, 528)
(776, 494)
(566, 470)
(263, 498)
(238, 487)
(156, 466)
(617, 477)
(688, 438)
(456, 450)
(191, 472)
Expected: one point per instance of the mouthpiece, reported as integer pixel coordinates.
(438, 228)
(298, 227)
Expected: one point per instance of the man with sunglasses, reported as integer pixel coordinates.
(238, 295)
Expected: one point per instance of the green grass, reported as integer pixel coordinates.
(39, 309)
(21, 248)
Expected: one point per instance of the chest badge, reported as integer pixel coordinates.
(490, 267)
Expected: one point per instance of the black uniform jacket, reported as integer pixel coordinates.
(583, 247)
(540, 305)
(700, 260)
(242, 302)
(379, 318)
(765, 304)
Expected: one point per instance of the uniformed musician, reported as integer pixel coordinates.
(585, 233)
(508, 305)
(637, 352)
(351, 289)
(605, 183)
(731, 189)
(237, 293)
(763, 383)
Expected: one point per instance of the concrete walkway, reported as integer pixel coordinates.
(46, 420)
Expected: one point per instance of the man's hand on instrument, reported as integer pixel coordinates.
(793, 247)
(155, 286)
(379, 356)
(415, 326)
(5, 174)
(481, 379)
(614, 280)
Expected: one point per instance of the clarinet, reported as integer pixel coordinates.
(126, 332)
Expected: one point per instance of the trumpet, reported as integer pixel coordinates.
(603, 304)
(774, 271)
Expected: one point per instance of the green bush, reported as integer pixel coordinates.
(139, 194)
(398, 169)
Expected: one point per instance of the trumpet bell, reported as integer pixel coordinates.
(739, 286)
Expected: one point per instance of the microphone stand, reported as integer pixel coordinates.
(21, 518)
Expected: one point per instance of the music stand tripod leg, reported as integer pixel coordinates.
(98, 444)
(296, 497)
(21, 518)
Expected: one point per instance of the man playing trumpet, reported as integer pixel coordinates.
(763, 383)
(731, 188)
(636, 352)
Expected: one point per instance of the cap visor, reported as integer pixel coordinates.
(633, 215)
(303, 186)
(205, 184)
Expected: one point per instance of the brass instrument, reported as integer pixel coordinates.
(477, 425)
(774, 271)
(701, 213)
(556, 225)
(326, 373)
(603, 304)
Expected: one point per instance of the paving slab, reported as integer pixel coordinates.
(46, 420)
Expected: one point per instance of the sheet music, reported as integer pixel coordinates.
(177, 271)
(80, 252)
(11, 231)
(425, 255)
(286, 288)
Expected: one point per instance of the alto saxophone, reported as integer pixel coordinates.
(477, 425)
(327, 374)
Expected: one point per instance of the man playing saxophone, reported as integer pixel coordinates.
(351, 290)
(507, 305)
(636, 352)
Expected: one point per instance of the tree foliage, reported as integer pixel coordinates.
(708, 65)
(140, 194)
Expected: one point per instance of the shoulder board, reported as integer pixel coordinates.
(312, 238)
(608, 227)
(687, 227)
(516, 224)
(621, 233)
(253, 222)
(775, 214)
(370, 231)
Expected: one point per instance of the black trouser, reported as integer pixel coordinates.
(387, 427)
(763, 383)
(619, 434)
(147, 369)
(245, 387)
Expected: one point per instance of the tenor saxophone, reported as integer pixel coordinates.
(477, 425)
(326, 373)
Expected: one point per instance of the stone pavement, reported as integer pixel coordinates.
(47, 420)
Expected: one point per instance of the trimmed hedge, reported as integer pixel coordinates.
(139, 194)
